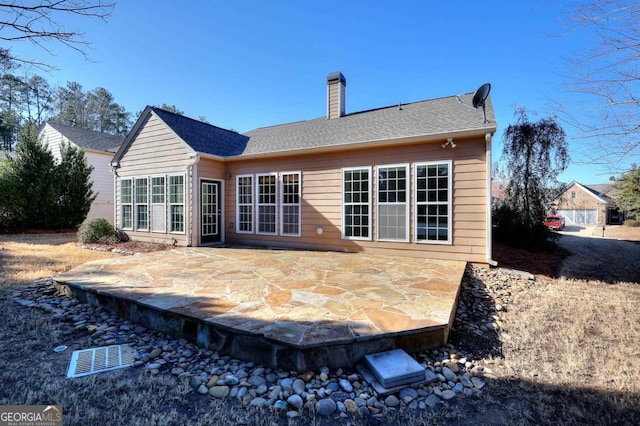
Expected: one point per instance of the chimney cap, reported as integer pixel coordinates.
(336, 76)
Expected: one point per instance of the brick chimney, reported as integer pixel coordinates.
(336, 92)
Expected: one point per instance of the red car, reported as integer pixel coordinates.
(555, 222)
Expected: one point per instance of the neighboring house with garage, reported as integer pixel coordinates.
(98, 149)
(589, 204)
(409, 179)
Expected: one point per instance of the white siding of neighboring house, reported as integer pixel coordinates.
(101, 176)
(102, 179)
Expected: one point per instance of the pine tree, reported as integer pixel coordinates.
(29, 183)
(75, 193)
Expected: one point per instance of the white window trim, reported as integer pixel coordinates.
(282, 204)
(449, 203)
(136, 204)
(164, 204)
(131, 204)
(342, 203)
(252, 204)
(406, 203)
(258, 204)
(183, 204)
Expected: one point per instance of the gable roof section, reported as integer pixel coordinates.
(585, 189)
(437, 118)
(88, 139)
(202, 137)
(442, 116)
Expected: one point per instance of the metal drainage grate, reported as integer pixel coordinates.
(98, 360)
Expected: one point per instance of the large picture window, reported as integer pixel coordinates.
(126, 204)
(393, 203)
(176, 203)
(433, 202)
(142, 204)
(290, 204)
(267, 203)
(244, 219)
(356, 203)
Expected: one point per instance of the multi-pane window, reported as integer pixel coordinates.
(290, 204)
(176, 203)
(433, 202)
(356, 203)
(142, 204)
(126, 203)
(244, 219)
(266, 203)
(393, 203)
(158, 206)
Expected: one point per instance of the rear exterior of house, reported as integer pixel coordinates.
(382, 181)
(99, 149)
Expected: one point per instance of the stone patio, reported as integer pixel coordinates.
(289, 309)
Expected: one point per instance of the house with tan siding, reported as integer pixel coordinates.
(98, 149)
(409, 179)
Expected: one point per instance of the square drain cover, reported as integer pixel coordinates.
(394, 368)
(97, 360)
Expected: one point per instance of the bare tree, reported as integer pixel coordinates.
(605, 81)
(41, 23)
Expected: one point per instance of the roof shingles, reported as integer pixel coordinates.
(431, 117)
(88, 139)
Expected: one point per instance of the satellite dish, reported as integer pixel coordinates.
(480, 96)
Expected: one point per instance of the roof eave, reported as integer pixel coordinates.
(432, 137)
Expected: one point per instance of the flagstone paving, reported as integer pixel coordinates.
(281, 307)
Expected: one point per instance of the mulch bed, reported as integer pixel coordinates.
(543, 264)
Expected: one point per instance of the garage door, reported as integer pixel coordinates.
(580, 217)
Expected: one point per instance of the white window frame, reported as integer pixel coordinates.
(170, 222)
(137, 203)
(251, 204)
(283, 204)
(407, 190)
(345, 204)
(448, 203)
(260, 205)
(163, 203)
(124, 204)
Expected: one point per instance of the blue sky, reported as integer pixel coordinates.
(248, 64)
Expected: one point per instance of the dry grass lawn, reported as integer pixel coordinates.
(569, 353)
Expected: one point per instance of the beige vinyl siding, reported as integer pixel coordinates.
(322, 199)
(156, 151)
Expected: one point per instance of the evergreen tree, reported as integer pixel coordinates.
(75, 193)
(629, 196)
(30, 183)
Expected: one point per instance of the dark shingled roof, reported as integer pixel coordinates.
(442, 116)
(203, 137)
(88, 139)
(431, 117)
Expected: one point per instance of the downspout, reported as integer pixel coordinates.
(489, 233)
(114, 171)
(187, 217)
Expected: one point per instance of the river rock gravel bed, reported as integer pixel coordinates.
(456, 372)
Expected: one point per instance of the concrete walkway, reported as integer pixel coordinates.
(285, 308)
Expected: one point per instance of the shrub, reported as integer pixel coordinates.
(121, 236)
(94, 230)
(632, 223)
